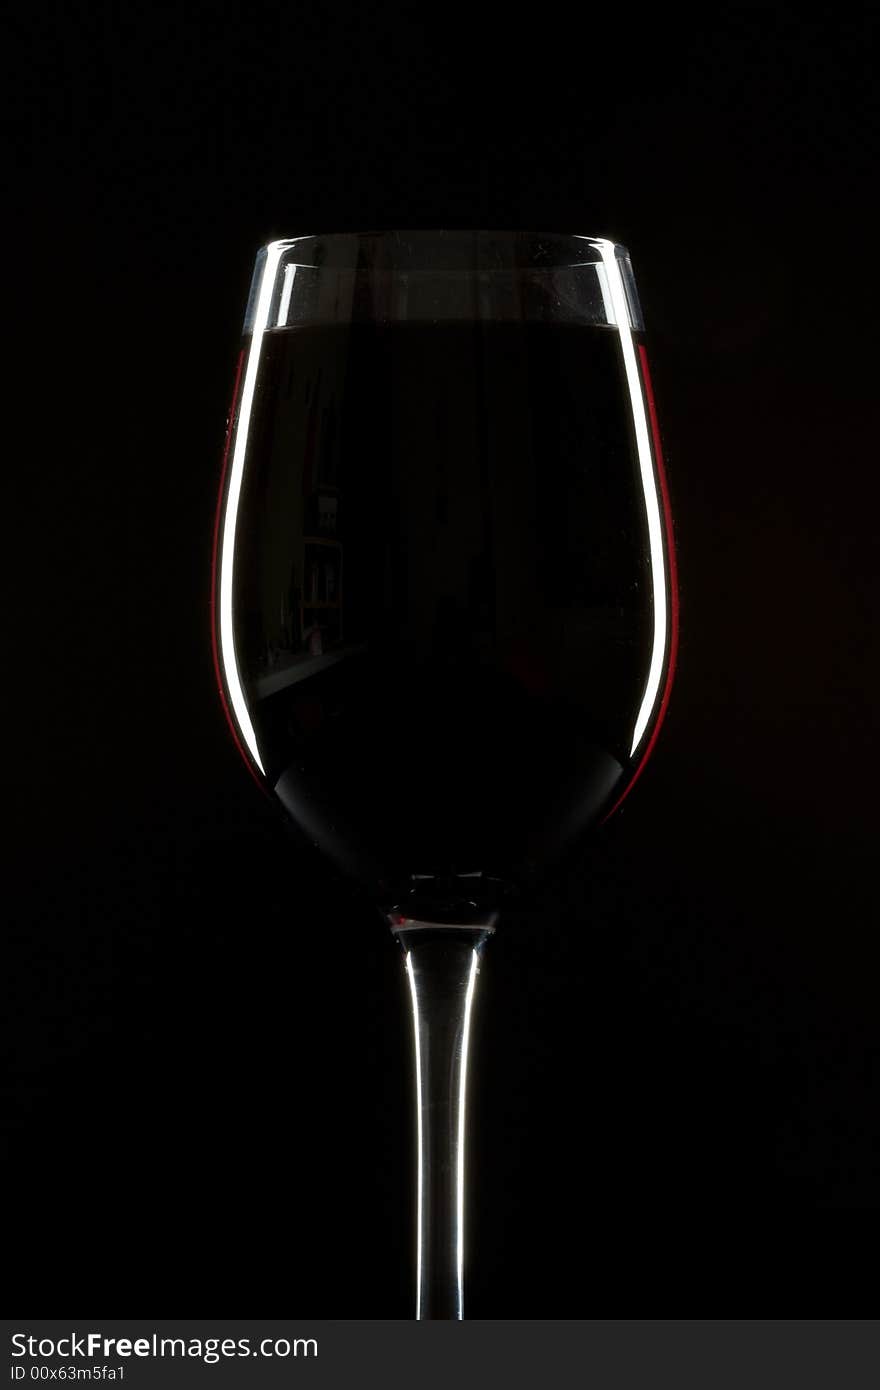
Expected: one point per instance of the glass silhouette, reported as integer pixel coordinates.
(444, 595)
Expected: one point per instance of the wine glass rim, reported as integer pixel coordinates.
(541, 242)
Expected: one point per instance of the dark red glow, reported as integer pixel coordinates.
(215, 652)
(672, 570)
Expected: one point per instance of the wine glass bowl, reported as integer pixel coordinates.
(444, 589)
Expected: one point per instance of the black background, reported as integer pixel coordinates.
(676, 1064)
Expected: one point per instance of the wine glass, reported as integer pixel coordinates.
(444, 604)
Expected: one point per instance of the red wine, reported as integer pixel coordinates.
(443, 602)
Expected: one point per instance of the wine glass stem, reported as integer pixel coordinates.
(442, 965)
